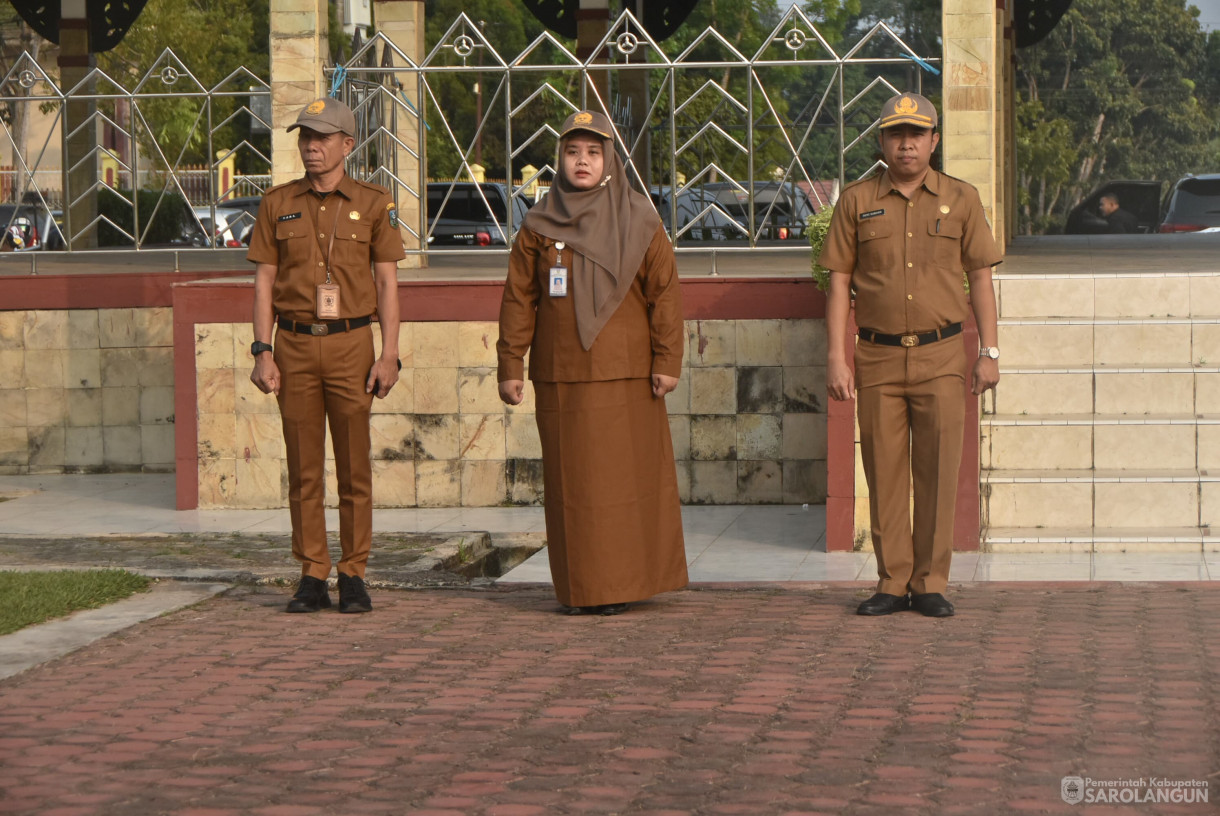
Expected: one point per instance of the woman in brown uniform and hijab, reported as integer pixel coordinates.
(592, 295)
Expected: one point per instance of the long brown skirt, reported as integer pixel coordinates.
(613, 518)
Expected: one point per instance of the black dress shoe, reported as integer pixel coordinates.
(883, 604)
(603, 609)
(353, 597)
(932, 604)
(311, 595)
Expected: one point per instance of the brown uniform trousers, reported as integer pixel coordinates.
(323, 378)
(906, 258)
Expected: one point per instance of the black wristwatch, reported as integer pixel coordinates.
(258, 347)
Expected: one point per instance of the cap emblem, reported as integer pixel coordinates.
(582, 119)
(316, 107)
(906, 106)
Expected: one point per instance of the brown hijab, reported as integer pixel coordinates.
(609, 229)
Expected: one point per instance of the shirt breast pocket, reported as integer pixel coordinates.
(946, 238)
(360, 233)
(288, 230)
(872, 245)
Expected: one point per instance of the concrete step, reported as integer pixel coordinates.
(1151, 293)
(1081, 498)
(1087, 441)
(1073, 341)
(1099, 539)
(1107, 389)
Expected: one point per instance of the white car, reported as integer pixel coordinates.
(225, 233)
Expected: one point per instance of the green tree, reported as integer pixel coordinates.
(211, 38)
(454, 100)
(1119, 89)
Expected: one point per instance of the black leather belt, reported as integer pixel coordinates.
(323, 329)
(910, 340)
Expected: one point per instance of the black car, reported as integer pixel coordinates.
(1140, 198)
(1193, 204)
(699, 216)
(463, 213)
(780, 208)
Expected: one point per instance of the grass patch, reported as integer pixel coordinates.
(34, 597)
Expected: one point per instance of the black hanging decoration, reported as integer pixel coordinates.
(661, 17)
(109, 20)
(1034, 19)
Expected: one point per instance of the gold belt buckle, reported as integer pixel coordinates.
(910, 340)
(318, 329)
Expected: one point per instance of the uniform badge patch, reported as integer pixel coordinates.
(354, 215)
(290, 217)
(393, 215)
(871, 214)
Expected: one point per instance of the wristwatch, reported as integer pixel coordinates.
(258, 347)
(990, 351)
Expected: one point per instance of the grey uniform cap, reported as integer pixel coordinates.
(327, 115)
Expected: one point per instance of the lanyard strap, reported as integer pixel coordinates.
(334, 227)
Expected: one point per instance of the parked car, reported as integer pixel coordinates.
(30, 228)
(245, 223)
(699, 216)
(780, 208)
(225, 232)
(1140, 198)
(467, 214)
(1193, 204)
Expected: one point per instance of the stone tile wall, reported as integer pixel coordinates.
(748, 420)
(86, 390)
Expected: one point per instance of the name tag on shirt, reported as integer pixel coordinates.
(559, 281)
(871, 214)
(290, 217)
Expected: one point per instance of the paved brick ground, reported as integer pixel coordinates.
(721, 701)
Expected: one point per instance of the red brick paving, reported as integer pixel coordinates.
(742, 701)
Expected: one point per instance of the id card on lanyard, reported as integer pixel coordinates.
(558, 275)
(327, 302)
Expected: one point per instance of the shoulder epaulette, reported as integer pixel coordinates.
(370, 186)
(281, 186)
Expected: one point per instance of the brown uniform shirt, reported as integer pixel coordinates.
(293, 233)
(643, 337)
(906, 259)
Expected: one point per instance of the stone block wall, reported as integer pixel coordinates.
(748, 420)
(86, 390)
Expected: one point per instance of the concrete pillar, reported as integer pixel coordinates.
(298, 51)
(973, 138)
(403, 22)
(592, 23)
(75, 63)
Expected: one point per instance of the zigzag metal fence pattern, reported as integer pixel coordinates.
(724, 139)
(130, 152)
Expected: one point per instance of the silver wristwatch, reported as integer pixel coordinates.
(990, 351)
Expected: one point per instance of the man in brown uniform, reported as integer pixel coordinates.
(314, 241)
(901, 240)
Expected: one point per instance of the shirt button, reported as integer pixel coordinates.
(872, 235)
(321, 235)
(910, 297)
(292, 235)
(353, 236)
(323, 208)
(910, 235)
(909, 265)
(321, 264)
(910, 203)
